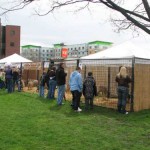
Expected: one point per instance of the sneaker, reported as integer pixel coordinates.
(79, 109)
(61, 104)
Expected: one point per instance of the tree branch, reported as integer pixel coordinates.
(139, 16)
(125, 13)
(147, 8)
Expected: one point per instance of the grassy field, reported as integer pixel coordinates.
(28, 122)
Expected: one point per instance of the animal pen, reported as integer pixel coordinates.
(104, 72)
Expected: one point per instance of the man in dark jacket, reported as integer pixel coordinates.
(15, 78)
(61, 81)
(8, 78)
(52, 83)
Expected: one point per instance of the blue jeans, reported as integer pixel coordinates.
(9, 85)
(41, 91)
(15, 82)
(19, 85)
(122, 98)
(2, 84)
(61, 92)
(51, 89)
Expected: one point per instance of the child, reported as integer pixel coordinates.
(2, 78)
(42, 84)
(89, 91)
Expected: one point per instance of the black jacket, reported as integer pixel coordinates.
(123, 81)
(89, 87)
(60, 76)
(43, 79)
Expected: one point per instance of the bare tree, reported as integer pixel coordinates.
(133, 18)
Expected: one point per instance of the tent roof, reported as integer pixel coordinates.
(15, 58)
(125, 50)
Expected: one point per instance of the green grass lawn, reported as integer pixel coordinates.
(28, 122)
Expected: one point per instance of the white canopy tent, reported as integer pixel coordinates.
(125, 50)
(15, 58)
(119, 54)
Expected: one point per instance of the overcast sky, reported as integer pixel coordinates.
(64, 25)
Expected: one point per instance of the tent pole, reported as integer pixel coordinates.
(132, 86)
(20, 74)
(108, 93)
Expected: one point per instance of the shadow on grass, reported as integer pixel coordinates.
(69, 112)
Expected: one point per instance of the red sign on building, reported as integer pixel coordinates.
(64, 52)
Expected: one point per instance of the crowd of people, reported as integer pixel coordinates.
(10, 78)
(57, 77)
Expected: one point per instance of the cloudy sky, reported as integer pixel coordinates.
(66, 25)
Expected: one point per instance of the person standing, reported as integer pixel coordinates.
(52, 83)
(76, 86)
(2, 78)
(8, 77)
(123, 80)
(61, 81)
(20, 83)
(89, 90)
(47, 78)
(42, 84)
(15, 78)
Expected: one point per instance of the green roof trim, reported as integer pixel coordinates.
(30, 46)
(100, 43)
(59, 45)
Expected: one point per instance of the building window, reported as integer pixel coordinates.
(12, 44)
(79, 48)
(12, 32)
(82, 47)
